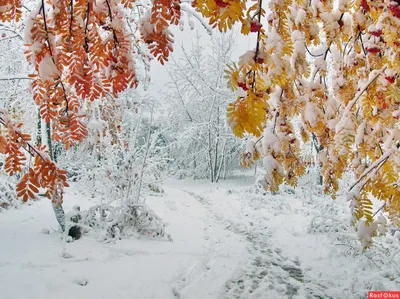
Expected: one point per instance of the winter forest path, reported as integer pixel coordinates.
(229, 242)
(36, 265)
(298, 244)
(266, 272)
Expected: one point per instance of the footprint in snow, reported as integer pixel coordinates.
(171, 205)
(81, 281)
(67, 255)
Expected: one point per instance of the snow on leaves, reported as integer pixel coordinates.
(41, 173)
(154, 27)
(81, 52)
(221, 13)
(10, 10)
(336, 66)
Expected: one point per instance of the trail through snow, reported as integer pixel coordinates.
(196, 264)
(228, 243)
(289, 255)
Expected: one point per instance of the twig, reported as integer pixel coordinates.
(380, 209)
(258, 43)
(111, 20)
(377, 163)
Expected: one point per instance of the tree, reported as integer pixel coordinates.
(201, 144)
(82, 51)
(336, 65)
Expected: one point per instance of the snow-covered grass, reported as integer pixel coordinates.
(230, 240)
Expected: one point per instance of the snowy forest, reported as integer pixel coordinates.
(199, 149)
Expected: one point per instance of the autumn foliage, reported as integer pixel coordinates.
(333, 68)
(326, 71)
(42, 172)
(81, 51)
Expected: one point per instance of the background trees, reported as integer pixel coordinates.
(201, 143)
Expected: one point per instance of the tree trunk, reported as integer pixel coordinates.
(57, 208)
(60, 214)
(222, 159)
(318, 148)
(39, 128)
(210, 161)
(49, 141)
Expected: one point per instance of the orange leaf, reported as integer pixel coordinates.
(3, 143)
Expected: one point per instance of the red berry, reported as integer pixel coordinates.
(376, 33)
(391, 79)
(221, 3)
(242, 85)
(374, 50)
(364, 5)
(260, 60)
(340, 22)
(255, 26)
(394, 9)
(3, 35)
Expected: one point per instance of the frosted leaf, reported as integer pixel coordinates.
(270, 165)
(360, 133)
(47, 69)
(100, 6)
(320, 63)
(240, 93)
(247, 58)
(332, 123)
(5, 8)
(309, 113)
(250, 146)
(366, 232)
(270, 142)
(301, 16)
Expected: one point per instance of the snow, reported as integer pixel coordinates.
(47, 69)
(250, 146)
(100, 6)
(5, 8)
(320, 63)
(230, 240)
(43, 266)
(247, 58)
(360, 134)
(300, 17)
(240, 93)
(309, 113)
(270, 142)
(287, 249)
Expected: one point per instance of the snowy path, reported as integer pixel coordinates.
(285, 259)
(227, 244)
(266, 273)
(196, 264)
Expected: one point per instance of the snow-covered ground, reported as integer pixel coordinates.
(229, 241)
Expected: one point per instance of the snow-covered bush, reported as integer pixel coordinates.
(8, 196)
(123, 220)
(118, 170)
